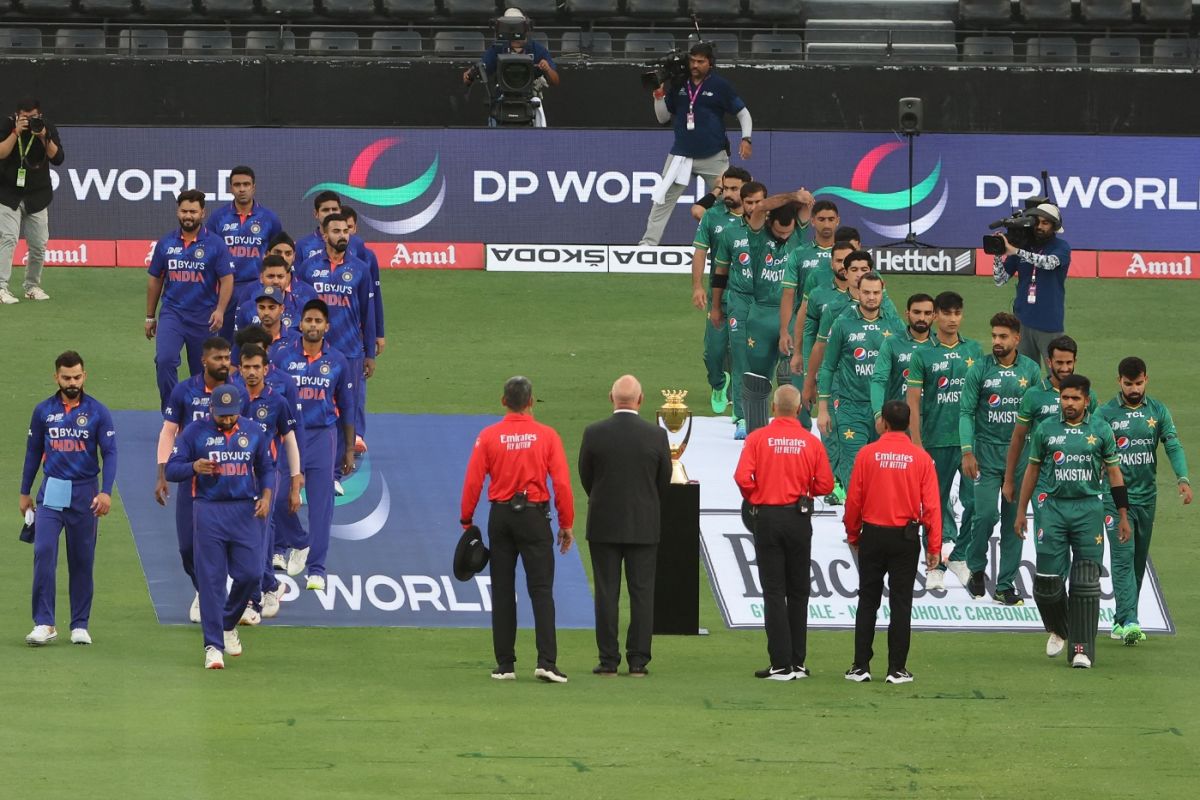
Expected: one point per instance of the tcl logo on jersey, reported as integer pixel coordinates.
(546, 258)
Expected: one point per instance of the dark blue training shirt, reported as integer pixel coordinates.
(532, 48)
(1048, 313)
(191, 272)
(246, 236)
(243, 457)
(68, 439)
(715, 99)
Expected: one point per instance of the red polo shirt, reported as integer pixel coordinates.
(893, 483)
(517, 454)
(781, 463)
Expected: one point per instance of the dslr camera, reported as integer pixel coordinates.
(670, 69)
(1018, 229)
(36, 124)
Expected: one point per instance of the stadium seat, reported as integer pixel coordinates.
(228, 9)
(880, 30)
(47, 8)
(923, 53)
(333, 42)
(288, 9)
(715, 9)
(592, 8)
(454, 43)
(1115, 50)
(652, 8)
(587, 43)
(988, 50)
(26, 41)
(277, 41)
(1106, 10)
(1167, 10)
(402, 43)
(142, 42)
(80, 42)
(409, 9)
(857, 52)
(541, 37)
(207, 43)
(725, 43)
(167, 9)
(470, 9)
(642, 44)
(1046, 10)
(881, 9)
(106, 8)
(348, 8)
(775, 10)
(985, 10)
(1174, 51)
(785, 46)
(1051, 50)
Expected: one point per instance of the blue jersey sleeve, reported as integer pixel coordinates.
(35, 447)
(158, 261)
(107, 445)
(179, 465)
(176, 408)
(366, 306)
(264, 464)
(343, 392)
(378, 298)
(223, 262)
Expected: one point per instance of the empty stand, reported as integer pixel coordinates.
(207, 43)
(1051, 50)
(922, 53)
(143, 42)
(857, 52)
(587, 43)
(403, 43)
(1166, 10)
(881, 9)
(540, 10)
(470, 9)
(167, 9)
(776, 10)
(229, 9)
(453, 43)
(20, 41)
(106, 8)
(1046, 10)
(1115, 50)
(409, 9)
(80, 42)
(288, 9)
(715, 9)
(354, 9)
(278, 41)
(786, 46)
(333, 42)
(984, 10)
(652, 8)
(1174, 51)
(725, 44)
(905, 31)
(592, 8)
(1106, 10)
(988, 49)
(641, 44)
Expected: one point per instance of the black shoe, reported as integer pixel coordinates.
(549, 675)
(638, 671)
(800, 672)
(776, 674)
(504, 672)
(858, 674)
(600, 669)
(900, 676)
(1008, 597)
(975, 586)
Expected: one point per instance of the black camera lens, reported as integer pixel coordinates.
(37, 124)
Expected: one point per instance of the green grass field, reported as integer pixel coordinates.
(412, 713)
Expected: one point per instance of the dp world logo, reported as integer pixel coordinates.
(859, 192)
(389, 199)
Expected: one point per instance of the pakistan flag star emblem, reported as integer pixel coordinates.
(849, 434)
(1100, 538)
(750, 342)
(1022, 382)
(970, 362)
(1152, 422)
(1092, 439)
(886, 333)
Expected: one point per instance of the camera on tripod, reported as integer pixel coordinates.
(1018, 229)
(671, 69)
(515, 97)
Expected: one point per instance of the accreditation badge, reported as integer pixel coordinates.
(21, 178)
(691, 121)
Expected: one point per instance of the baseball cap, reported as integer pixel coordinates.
(1048, 211)
(226, 400)
(273, 293)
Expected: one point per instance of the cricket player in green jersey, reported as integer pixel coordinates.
(890, 379)
(936, 374)
(988, 408)
(771, 265)
(844, 382)
(1069, 455)
(716, 337)
(812, 307)
(739, 247)
(1139, 424)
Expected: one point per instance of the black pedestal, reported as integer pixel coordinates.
(677, 578)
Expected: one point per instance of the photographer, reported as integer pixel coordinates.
(699, 106)
(28, 145)
(515, 21)
(1041, 269)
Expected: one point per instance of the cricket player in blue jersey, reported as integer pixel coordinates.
(324, 204)
(360, 423)
(326, 384)
(294, 294)
(192, 273)
(247, 228)
(270, 408)
(285, 247)
(189, 402)
(225, 462)
(70, 434)
(271, 313)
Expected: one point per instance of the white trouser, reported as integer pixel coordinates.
(37, 231)
(709, 168)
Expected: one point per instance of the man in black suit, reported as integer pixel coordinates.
(624, 465)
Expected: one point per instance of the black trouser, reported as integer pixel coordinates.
(885, 551)
(526, 533)
(639, 562)
(783, 548)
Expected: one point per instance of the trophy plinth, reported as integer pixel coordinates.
(673, 415)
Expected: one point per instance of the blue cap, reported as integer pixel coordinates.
(270, 293)
(226, 400)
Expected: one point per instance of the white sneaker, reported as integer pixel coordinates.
(1081, 661)
(316, 583)
(7, 297)
(194, 610)
(80, 636)
(233, 643)
(270, 602)
(297, 561)
(947, 550)
(337, 489)
(279, 561)
(36, 293)
(213, 658)
(935, 579)
(250, 616)
(1055, 645)
(959, 568)
(40, 635)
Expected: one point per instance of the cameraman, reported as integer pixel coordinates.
(28, 145)
(701, 148)
(520, 43)
(1041, 271)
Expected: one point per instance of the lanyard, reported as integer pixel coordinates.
(693, 95)
(22, 152)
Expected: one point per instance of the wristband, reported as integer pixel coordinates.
(1120, 495)
(719, 281)
(149, 319)
(1184, 480)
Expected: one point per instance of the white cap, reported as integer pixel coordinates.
(514, 13)
(1049, 211)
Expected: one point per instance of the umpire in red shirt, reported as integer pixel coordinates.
(781, 469)
(518, 454)
(893, 492)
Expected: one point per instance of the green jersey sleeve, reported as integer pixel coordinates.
(916, 371)
(882, 377)
(967, 403)
(1037, 450)
(723, 255)
(1169, 438)
(833, 355)
(1027, 408)
(703, 237)
(1108, 445)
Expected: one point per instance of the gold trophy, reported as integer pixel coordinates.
(673, 414)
